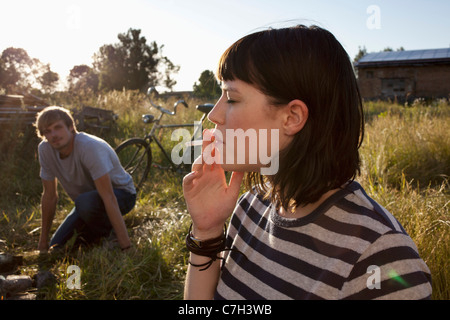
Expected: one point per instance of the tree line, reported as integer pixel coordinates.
(132, 63)
(20, 72)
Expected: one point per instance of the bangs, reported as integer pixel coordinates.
(237, 63)
(48, 118)
(258, 60)
(50, 115)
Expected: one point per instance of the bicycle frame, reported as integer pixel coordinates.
(135, 153)
(151, 136)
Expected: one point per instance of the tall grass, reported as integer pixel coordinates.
(406, 167)
(413, 141)
(405, 159)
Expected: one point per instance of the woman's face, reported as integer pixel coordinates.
(248, 128)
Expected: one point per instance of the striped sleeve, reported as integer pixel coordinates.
(389, 269)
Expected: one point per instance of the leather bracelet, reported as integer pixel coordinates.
(207, 248)
(206, 265)
(206, 243)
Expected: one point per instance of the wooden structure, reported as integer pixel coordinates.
(405, 75)
(20, 109)
(90, 117)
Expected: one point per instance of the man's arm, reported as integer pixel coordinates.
(105, 189)
(48, 208)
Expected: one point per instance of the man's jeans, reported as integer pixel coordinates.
(89, 218)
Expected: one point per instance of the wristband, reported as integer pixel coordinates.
(207, 248)
(206, 243)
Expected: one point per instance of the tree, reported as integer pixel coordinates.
(133, 64)
(19, 72)
(48, 80)
(9, 76)
(208, 86)
(389, 49)
(83, 78)
(15, 69)
(361, 53)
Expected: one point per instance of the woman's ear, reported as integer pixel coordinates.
(295, 117)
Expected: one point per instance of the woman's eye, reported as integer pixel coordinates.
(231, 101)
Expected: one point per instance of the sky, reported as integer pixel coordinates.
(196, 32)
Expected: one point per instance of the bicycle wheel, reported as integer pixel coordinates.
(135, 155)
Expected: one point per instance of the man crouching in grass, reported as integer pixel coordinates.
(90, 172)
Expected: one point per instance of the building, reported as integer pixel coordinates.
(405, 75)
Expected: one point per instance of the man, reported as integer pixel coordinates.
(90, 172)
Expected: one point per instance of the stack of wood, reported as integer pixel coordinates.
(20, 109)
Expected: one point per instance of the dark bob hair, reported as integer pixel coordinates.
(309, 64)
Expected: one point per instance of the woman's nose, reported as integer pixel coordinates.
(216, 115)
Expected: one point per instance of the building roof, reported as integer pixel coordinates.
(409, 57)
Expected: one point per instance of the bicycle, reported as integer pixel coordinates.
(135, 154)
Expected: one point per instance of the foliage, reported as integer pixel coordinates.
(362, 51)
(19, 72)
(48, 79)
(132, 64)
(208, 87)
(82, 79)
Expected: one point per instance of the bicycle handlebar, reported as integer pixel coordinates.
(152, 90)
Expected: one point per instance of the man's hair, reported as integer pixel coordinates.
(50, 115)
(309, 64)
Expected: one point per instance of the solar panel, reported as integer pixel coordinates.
(429, 54)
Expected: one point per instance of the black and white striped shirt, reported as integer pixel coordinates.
(348, 248)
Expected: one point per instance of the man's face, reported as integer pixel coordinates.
(59, 135)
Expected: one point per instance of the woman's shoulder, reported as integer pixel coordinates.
(363, 206)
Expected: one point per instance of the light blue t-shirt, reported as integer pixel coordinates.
(90, 159)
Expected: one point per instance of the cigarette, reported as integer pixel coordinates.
(194, 143)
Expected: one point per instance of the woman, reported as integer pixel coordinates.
(308, 230)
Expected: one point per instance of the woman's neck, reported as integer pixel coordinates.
(303, 211)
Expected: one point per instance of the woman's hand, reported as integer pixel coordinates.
(209, 199)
